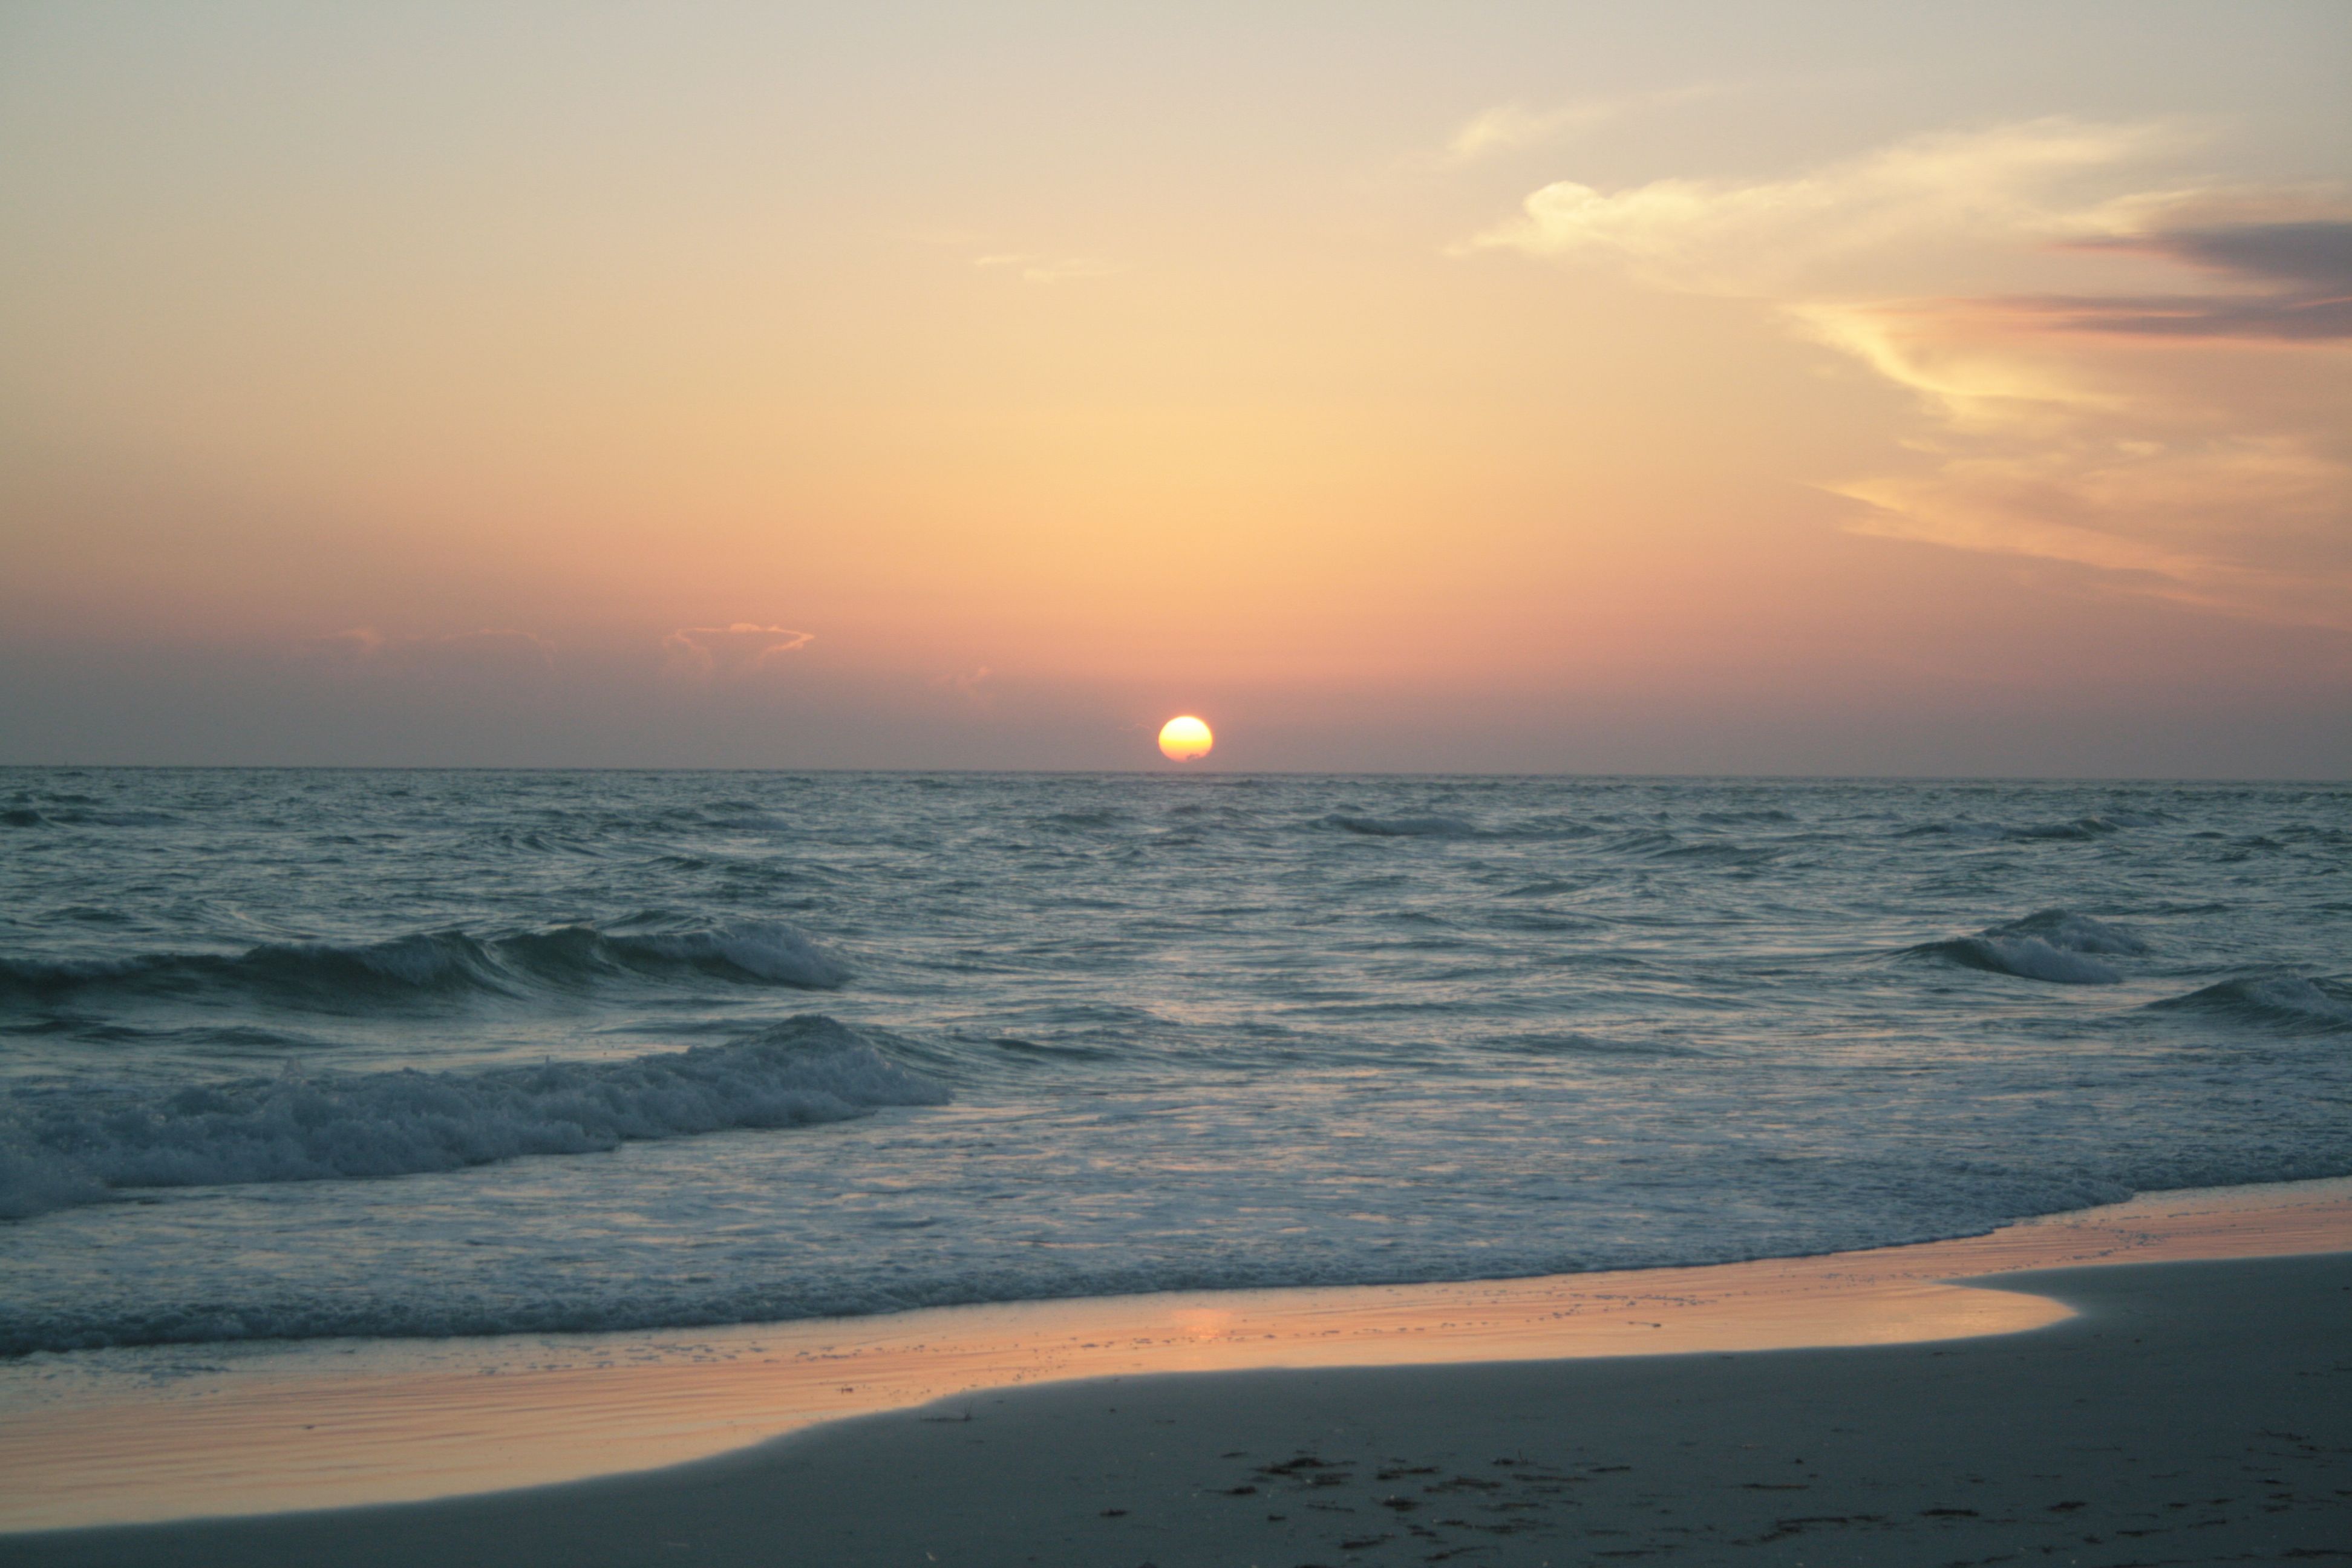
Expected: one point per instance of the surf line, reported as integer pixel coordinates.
(337, 1423)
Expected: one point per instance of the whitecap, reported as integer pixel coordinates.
(61, 1147)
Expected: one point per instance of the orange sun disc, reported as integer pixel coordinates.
(1185, 738)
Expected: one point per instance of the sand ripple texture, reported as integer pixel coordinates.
(314, 1052)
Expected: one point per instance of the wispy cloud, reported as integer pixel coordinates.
(1508, 127)
(2018, 183)
(971, 687)
(2107, 426)
(704, 653)
(1032, 267)
(2295, 283)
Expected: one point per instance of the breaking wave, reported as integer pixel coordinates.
(1195, 1032)
(335, 976)
(2070, 932)
(81, 817)
(63, 1147)
(2054, 945)
(2288, 1003)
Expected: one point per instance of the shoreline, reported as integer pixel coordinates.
(2186, 1413)
(343, 1426)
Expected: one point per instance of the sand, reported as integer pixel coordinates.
(2191, 1411)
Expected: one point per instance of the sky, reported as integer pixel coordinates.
(1811, 388)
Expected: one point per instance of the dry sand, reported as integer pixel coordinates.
(2193, 1413)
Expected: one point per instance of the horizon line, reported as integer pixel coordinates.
(1184, 771)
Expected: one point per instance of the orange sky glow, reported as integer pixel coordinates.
(1492, 387)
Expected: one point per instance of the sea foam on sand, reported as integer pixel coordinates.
(2213, 1398)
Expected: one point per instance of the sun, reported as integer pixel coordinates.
(1185, 738)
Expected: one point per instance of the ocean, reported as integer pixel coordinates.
(328, 1054)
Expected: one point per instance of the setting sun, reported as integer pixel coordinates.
(1185, 738)
(1814, 538)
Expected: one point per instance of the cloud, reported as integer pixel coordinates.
(2153, 435)
(487, 651)
(1508, 127)
(2250, 525)
(2301, 273)
(706, 652)
(971, 687)
(2285, 316)
(2317, 254)
(2009, 183)
(1033, 267)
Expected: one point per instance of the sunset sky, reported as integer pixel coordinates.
(1692, 388)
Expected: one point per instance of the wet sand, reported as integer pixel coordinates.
(2193, 1412)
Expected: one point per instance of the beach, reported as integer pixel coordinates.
(2195, 1412)
(1175, 787)
(2126, 1412)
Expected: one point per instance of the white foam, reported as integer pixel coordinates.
(769, 948)
(2070, 932)
(339, 974)
(2053, 945)
(60, 1147)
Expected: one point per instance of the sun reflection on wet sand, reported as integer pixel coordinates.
(151, 1435)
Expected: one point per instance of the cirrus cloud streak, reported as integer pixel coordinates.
(2146, 378)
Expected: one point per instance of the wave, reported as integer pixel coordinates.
(1038, 1051)
(1574, 1043)
(727, 816)
(2028, 958)
(767, 950)
(1431, 826)
(80, 817)
(2289, 1002)
(64, 1147)
(1087, 817)
(1662, 844)
(2080, 827)
(2053, 945)
(1720, 853)
(2071, 932)
(335, 976)
(1653, 843)
(1556, 826)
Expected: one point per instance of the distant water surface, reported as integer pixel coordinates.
(291, 1054)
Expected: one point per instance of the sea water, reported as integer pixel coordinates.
(326, 1053)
